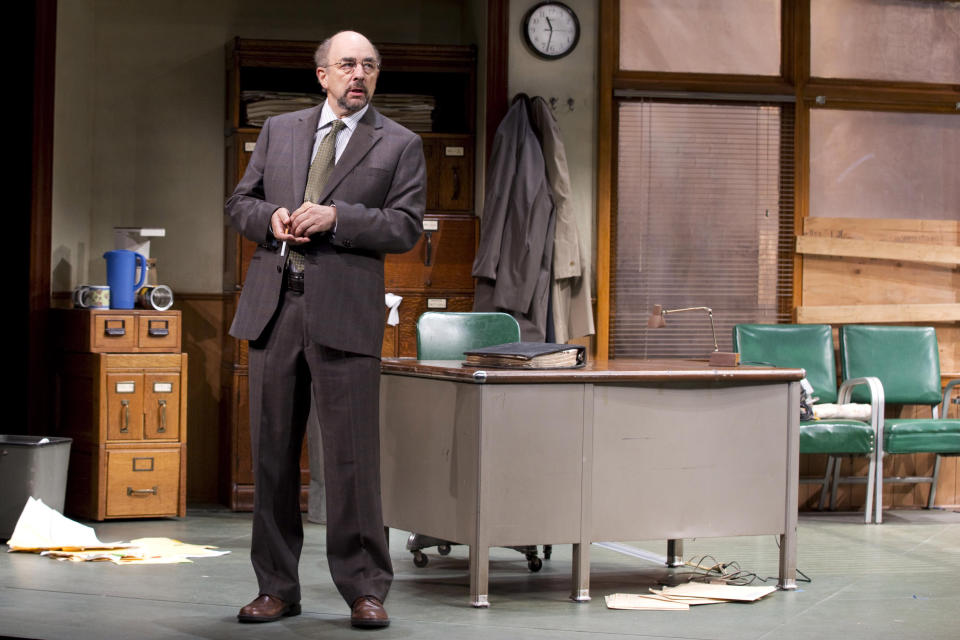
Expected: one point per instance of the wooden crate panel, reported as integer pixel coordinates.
(852, 281)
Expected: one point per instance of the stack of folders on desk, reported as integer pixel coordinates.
(528, 355)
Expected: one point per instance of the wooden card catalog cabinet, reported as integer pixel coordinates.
(127, 415)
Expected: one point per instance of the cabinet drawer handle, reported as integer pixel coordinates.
(428, 259)
(125, 419)
(115, 331)
(141, 492)
(163, 416)
(158, 331)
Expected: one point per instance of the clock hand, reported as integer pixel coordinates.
(549, 24)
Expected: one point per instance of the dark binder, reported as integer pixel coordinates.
(528, 355)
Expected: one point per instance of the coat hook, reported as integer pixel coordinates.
(570, 104)
(553, 103)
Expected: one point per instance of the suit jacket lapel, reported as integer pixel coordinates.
(368, 133)
(304, 132)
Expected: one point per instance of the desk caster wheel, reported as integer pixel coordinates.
(534, 564)
(443, 549)
(547, 551)
(420, 559)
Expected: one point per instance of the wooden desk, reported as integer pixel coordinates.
(620, 450)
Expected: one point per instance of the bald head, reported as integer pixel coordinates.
(322, 55)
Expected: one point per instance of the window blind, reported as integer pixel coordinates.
(703, 217)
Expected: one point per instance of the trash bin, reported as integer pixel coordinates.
(31, 466)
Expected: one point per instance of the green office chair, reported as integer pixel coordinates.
(445, 336)
(810, 347)
(907, 362)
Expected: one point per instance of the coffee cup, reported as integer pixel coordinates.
(92, 296)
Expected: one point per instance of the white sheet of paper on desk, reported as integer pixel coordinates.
(41, 527)
(643, 602)
(718, 591)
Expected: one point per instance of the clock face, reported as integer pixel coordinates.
(551, 29)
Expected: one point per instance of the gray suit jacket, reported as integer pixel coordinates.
(379, 189)
(515, 252)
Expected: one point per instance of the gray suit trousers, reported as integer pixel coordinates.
(286, 367)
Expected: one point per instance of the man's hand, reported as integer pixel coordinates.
(312, 218)
(280, 226)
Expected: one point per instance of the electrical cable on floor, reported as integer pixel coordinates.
(706, 568)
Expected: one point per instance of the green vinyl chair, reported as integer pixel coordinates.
(810, 347)
(907, 362)
(446, 336)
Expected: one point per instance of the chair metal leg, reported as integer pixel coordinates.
(826, 484)
(879, 486)
(868, 511)
(933, 484)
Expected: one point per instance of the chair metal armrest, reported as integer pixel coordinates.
(876, 400)
(946, 397)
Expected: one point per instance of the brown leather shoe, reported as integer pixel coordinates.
(368, 612)
(267, 609)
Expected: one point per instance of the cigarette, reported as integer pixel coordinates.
(283, 247)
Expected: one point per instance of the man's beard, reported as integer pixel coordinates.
(353, 108)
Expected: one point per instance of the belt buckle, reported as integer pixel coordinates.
(294, 281)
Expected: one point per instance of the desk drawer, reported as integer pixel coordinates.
(143, 482)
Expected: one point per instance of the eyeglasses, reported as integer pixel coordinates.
(347, 65)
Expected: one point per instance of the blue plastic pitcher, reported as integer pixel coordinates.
(121, 274)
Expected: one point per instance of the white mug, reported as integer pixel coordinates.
(92, 296)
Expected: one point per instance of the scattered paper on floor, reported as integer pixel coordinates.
(718, 591)
(643, 602)
(143, 551)
(41, 527)
(682, 597)
(45, 530)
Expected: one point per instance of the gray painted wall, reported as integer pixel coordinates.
(139, 116)
(573, 77)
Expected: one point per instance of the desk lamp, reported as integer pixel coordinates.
(658, 319)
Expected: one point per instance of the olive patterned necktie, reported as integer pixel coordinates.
(320, 170)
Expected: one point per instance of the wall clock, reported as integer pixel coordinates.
(551, 30)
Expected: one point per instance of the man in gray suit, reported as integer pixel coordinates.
(338, 185)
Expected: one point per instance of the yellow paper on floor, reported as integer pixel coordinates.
(47, 531)
(643, 602)
(144, 551)
(718, 591)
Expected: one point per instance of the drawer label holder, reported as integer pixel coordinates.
(143, 464)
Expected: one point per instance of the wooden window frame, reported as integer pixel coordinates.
(794, 79)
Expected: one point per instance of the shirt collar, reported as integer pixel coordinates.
(327, 116)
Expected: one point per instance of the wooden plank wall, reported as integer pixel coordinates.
(920, 285)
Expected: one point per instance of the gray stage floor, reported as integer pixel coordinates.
(898, 580)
